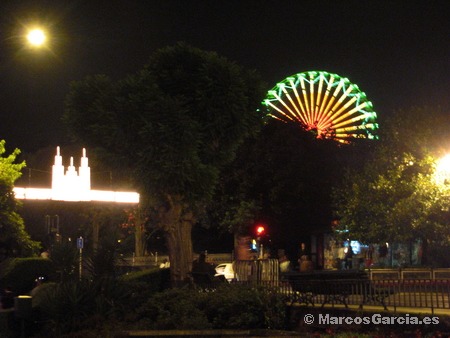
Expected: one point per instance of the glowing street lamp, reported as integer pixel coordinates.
(442, 172)
(36, 37)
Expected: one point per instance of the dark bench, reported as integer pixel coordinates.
(335, 286)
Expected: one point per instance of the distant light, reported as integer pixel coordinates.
(36, 37)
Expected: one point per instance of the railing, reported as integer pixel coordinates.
(409, 273)
(385, 293)
(266, 270)
(391, 288)
(421, 293)
(388, 294)
(154, 259)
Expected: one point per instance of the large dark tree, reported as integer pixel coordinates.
(395, 196)
(172, 126)
(284, 178)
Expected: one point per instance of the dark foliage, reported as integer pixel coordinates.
(228, 307)
(21, 273)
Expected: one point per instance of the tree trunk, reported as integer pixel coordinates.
(424, 255)
(179, 243)
(177, 224)
(139, 242)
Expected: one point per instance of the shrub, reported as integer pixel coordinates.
(174, 309)
(95, 303)
(245, 307)
(21, 273)
(228, 307)
(144, 284)
(71, 306)
(151, 276)
(65, 257)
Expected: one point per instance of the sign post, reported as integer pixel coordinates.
(80, 247)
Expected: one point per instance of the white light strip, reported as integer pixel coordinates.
(114, 196)
(92, 196)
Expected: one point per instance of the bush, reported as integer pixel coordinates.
(21, 273)
(75, 305)
(174, 309)
(245, 307)
(228, 307)
(144, 284)
(155, 278)
(65, 257)
(93, 304)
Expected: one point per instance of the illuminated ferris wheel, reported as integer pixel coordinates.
(325, 103)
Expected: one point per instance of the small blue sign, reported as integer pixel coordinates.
(80, 243)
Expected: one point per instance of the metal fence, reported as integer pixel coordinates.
(386, 288)
(266, 270)
(389, 288)
(409, 273)
(389, 294)
(428, 293)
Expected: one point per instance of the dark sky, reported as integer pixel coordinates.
(398, 52)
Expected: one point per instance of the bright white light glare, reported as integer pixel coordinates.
(93, 195)
(36, 37)
(32, 193)
(73, 186)
(442, 173)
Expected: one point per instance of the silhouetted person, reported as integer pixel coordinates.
(369, 256)
(284, 262)
(301, 254)
(201, 266)
(349, 258)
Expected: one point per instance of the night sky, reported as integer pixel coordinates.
(398, 52)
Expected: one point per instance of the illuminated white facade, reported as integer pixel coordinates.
(72, 185)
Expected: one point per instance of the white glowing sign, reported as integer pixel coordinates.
(70, 185)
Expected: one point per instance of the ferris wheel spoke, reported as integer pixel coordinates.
(311, 96)
(327, 94)
(297, 114)
(305, 99)
(347, 115)
(353, 120)
(280, 111)
(337, 108)
(285, 105)
(303, 114)
(319, 99)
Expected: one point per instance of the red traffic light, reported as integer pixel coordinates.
(260, 230)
